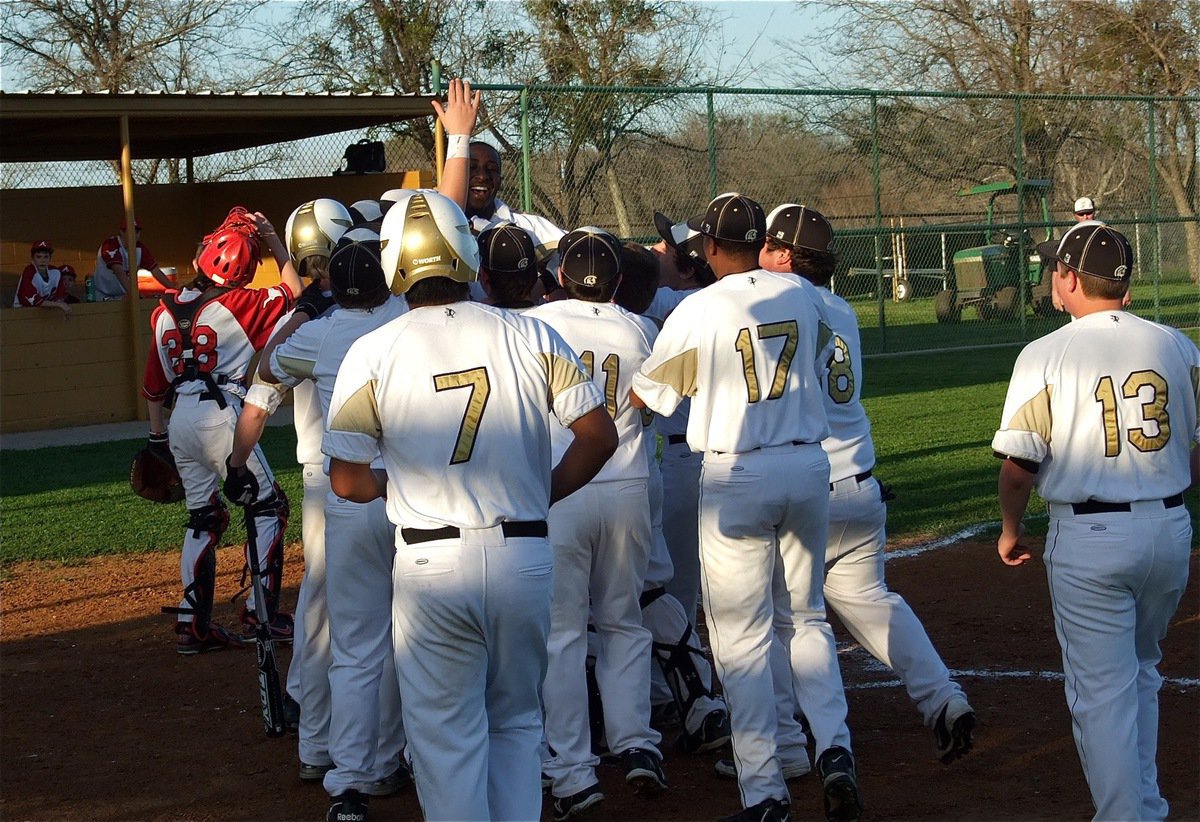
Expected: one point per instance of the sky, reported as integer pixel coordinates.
(761, 38)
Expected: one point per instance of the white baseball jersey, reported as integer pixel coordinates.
(545, 233)
(499, 373)
(849, 445)
(1107, 407)
(612, 344)
(755, 382)
(316, 349)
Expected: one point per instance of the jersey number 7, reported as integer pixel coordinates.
(480, 387)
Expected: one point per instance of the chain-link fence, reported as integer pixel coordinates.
(936, 251)
(936, 238)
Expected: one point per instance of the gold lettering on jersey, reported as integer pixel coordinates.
(612, 373)
(789, 330)
(1106, 395)
(359, 414)
(1153, 410)
(1034, 415)
(475, 379)
(841, 373)
(561, 374)
(679, 372)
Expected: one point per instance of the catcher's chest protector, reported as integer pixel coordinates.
(184, 314)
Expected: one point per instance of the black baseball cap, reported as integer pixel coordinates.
(732, 217)
(589, 256)
(679, 236)
(1092, 248)
(354, 267)
(798, 226)
(508, 248)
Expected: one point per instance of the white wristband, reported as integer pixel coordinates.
(458, 146)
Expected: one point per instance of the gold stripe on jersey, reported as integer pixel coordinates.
(278, 387)
(359, 414)
(1034, 415)
(297, 367)
(679, 372)
(824, 335)
(561, 374)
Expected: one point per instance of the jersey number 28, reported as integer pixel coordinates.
(1154, 409)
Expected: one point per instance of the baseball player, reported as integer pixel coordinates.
(508, 266)
(365, 734)
(311, 234)
(746, 350)
(683, 677)
(204, 339)
(41, 284)
(114, 277)
(453, 397)
(1101, 417)
(800, 244)
(601, 537)
(682, 271)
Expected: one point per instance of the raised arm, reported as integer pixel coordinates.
(458, 119)
(287, 272)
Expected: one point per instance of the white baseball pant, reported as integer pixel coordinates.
(756, 509)
(308, 673)
(366, 734)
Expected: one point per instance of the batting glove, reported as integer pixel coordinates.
(313, 301)
(160, 444)
(240, 485)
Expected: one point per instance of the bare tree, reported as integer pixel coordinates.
(123, 46)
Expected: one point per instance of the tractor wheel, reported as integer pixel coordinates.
(903, 291)
(1008, 299)
(1040, 300)
(946, 307)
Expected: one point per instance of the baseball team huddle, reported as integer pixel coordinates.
(530, 456)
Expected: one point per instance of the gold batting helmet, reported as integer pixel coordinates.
(426, 234)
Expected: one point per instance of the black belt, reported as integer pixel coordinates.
(676, 439)
(1093, 507)
(865, 475)
(415, 536)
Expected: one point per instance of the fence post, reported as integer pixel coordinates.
(1152, 177)
(439, 138)
(526, 184)
(878, 222)
(712, 148)
(1022, 252)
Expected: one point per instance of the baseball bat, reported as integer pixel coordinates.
(269, 691)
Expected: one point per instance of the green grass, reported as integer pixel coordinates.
(911, 326)
(933, 417)
(74, 502)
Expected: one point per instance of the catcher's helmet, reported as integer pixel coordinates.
(231, 254)
(426, 234)
(314, 228)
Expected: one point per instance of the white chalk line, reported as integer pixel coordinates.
(871, 665)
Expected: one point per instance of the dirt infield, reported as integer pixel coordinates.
(102, 720)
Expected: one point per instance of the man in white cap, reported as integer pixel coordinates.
(1085, 209)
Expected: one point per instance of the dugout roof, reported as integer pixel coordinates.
(60, 127)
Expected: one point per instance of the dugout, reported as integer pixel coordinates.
(56, 373)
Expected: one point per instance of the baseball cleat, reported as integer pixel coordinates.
(714, 732)
(791, 770)
(218, 639)
(350, 806)
(394, 782)
(283, 627)
(769, 810)
(314, 773)
(644, 772)
(577, 803)
(952, 730)
(839, 781)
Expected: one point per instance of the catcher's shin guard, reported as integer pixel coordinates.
(678, 667)
(274, 507)
(207, 521)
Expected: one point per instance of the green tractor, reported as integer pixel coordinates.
(989, 277)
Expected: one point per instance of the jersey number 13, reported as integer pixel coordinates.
(1154, 410)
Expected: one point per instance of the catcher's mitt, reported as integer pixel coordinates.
(155, 477)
